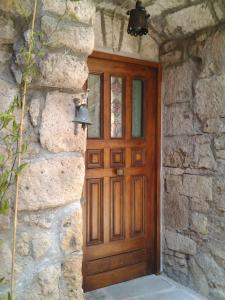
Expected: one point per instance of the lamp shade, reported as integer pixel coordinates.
(138, 21)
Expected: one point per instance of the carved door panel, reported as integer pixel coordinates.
(120, 193)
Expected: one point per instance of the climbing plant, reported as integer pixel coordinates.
(9, 170)
(12, 144)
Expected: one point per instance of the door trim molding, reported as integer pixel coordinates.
(158, 69)
(119, 58)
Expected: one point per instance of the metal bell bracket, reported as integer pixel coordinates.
(77, 104)
(81, 112)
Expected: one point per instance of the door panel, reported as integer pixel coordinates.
(94, 211)
(117, 208)
(138, 195)
(120, 193)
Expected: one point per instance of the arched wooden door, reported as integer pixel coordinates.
(120, 211)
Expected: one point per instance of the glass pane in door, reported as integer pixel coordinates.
(116, 107)
(94, 105)
(137, 109)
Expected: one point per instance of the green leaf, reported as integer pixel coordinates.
(24, 148)
(4, 207)
(2, 279)
(4, 178)
(20, 169)
(15, 127)
(9, 296)
(2, 160)
(17, 102)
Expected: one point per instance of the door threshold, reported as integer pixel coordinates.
(151, 287)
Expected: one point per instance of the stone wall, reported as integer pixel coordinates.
(111, 36)
(49, 239)
(194, 161)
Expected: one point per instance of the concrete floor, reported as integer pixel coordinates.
(145, 288)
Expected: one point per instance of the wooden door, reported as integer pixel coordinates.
(120, 210)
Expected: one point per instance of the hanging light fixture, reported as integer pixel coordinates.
(138, 21)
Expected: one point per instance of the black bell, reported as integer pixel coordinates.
(82, 115)
(138, 21)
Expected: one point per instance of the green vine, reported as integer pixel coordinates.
(12, 146)
(9, 132)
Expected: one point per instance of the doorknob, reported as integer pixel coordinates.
(120, 172)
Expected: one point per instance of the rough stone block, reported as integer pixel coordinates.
(173, 92)
(219, 7)
(178, 120)
(63, 71)
(215, 125)
(198, 277)
(189, 20)
(180, 243)
(178, 152)
(41, 243)
(149, 49)
(203, 154)
(49, 282)
(99, 43)
(217, 294)
(213, 54)
(71, 237)
(79, 39)
(6, 258)
(7, 33)
(160, 6)
(108, 32)
(219, 193)
(130, 44)
(214, 272)
(220, 142)
(199, 223)
(43, 221)
(82, 11)
(4, 222)
(171, 58)
(210, 97)
(7, 92)
(73, 279)
(176, 211)
(199, 205)
(217, 248)
(5, 54)
(112, 32)
(173, 184)
(51, 182)
(23, 244)
(57, 132)
(197, 186)
(22, 8)
(220, 154)
(34, 111)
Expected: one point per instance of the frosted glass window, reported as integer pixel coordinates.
(137, 109)
(116, 107)
(94, 105)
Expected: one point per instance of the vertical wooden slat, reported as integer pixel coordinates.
(117, 208)
(94, 211)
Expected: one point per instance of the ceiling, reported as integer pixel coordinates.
(172, 19)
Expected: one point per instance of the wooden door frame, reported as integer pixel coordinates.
(157, 204)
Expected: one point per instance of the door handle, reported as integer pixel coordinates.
(120, 172)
